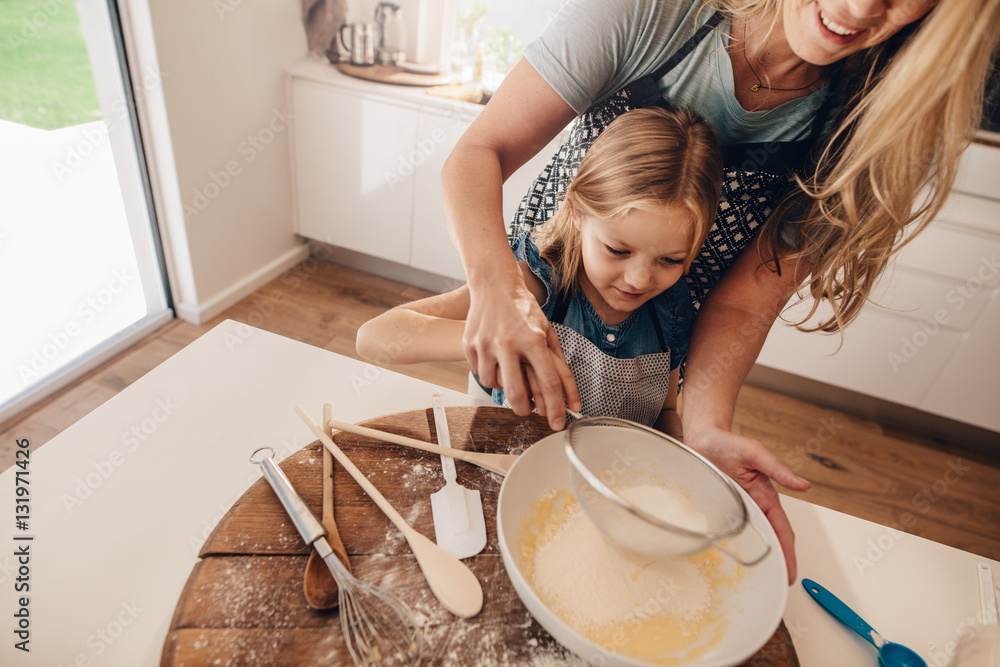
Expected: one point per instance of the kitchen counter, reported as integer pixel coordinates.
(121, 502)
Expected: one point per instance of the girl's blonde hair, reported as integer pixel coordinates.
(910, 107)
(645, 159)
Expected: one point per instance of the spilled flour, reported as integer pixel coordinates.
(659, 610)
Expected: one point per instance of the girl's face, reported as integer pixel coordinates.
(627, 263)
(822, 32)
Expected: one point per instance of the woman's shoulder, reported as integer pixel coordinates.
(592, 48)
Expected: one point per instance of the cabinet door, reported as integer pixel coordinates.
(928, 340)
(437, 134)
(969, 388)
(353, 176)
(884, 354)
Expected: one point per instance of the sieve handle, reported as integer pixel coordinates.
(738, 559)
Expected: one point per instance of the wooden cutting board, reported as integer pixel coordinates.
(243, 602)
(393, 74)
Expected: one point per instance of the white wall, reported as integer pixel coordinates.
(221, 165)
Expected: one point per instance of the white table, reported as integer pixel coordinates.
(122, 501)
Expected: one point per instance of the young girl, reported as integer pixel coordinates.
(606, 270)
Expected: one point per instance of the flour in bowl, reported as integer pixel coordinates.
(632, 604)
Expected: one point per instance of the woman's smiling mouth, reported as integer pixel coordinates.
(839, 33)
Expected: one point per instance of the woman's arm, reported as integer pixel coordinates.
(505, 327)
(728, 334)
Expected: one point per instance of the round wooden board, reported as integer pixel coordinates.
(393, 74)
(243, 602)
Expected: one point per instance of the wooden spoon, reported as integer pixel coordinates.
(318, 584)
(452, 582)
(498, 463)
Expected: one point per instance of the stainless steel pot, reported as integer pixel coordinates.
(360, 42)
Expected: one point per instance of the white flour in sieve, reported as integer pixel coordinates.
(667, 504)
(593, 583)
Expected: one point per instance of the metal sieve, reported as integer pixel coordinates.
(610, 456)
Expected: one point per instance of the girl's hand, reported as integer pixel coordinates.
(753, 467)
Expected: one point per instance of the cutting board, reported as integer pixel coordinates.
(243, 602)
(394, 75)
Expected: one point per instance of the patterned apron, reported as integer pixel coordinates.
(756, 175)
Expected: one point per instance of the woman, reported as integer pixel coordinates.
(868, 102)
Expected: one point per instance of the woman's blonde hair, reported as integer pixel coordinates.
(645, 159)
(910, 107)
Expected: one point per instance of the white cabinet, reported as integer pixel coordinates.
(438, 132)
(930, 339)
(349, 150)
(367, 167)
(431, 249)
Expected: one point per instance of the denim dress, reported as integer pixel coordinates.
(622, 370)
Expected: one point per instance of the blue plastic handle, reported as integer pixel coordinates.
(840, 611)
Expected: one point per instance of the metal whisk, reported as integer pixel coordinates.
(378, 628)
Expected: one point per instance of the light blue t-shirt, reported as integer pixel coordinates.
(593, 48)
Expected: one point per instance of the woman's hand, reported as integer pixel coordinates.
(510, 344)
(505, 326)
(753, 467)
(728, 334)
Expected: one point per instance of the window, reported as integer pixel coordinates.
(490, 36)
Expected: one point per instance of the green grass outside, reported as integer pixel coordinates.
(45, 77)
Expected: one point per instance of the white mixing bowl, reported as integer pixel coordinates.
(749, 610)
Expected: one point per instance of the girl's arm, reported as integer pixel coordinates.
(424, 330)
(505, 327)
(669, 420)
(428, 329)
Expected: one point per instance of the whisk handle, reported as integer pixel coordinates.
(309, 528)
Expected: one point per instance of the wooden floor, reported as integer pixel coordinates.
(933, 489)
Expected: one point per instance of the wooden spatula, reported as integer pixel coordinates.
(318, 585)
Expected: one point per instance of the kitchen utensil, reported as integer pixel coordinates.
(459, 524)
(360, 44)
(420, 68)
(377, 627)
(450, 580)
(498, 463)
(890, 654)
(391, 34)
(690, 504)
(980, 646)
(747, 602)
(987, 594)
(318, 585)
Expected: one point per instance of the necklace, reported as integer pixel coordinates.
(757, 86)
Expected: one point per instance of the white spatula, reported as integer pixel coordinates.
(459, 525)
